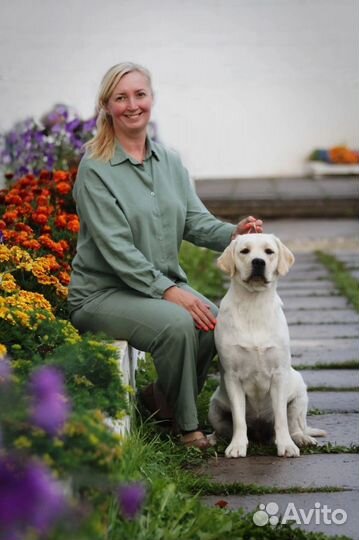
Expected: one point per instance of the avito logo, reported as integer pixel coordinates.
(319, 514)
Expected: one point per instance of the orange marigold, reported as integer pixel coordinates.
(64, 188)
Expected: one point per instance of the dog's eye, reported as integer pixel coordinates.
(269, 251)
(244, 251)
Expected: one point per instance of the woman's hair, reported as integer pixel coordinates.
(102, 145)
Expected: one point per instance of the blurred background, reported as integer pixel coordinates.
(243, 88)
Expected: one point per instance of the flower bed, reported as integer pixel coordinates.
(57, 388)
(334, 161)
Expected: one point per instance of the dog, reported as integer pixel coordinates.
(258, 386)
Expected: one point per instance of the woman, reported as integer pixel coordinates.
(136, 205)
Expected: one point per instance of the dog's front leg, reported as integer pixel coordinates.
(285, 444)
(237, 399)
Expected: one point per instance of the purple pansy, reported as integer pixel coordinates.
(131, 498)
(50, 405)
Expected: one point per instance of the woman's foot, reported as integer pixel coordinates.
(195, 439)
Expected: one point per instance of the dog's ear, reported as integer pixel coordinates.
(226, 261)
(285, 258)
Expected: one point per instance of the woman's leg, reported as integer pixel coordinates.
(164, 329)
(206, 350)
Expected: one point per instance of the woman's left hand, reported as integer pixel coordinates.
(247, 225)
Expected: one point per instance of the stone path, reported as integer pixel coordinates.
(324, 334)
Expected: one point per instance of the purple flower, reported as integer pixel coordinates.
(29, 497)
(131, 498)
(50, 405)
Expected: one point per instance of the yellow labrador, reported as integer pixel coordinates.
(257, 381)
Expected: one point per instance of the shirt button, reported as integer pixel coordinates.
(152, 193)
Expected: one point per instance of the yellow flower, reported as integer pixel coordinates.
(8, 283)
(3, 350)
(22, 442)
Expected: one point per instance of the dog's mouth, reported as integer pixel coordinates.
(257, 278)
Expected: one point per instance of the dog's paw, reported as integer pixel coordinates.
(288, 449)
(235, 450)
(301, 439)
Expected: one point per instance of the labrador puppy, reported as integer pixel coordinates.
(257, 383)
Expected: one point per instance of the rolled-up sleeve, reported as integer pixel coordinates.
(110, 231)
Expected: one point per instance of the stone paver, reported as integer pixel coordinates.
(306, 292)
(315, 302)
(325, 350)
(333, 402)
(342, 429)
(325, 286)
(308, 471)
(319, 316)
(335, 501)
(321, 331)
(308, 275)
(331, 378)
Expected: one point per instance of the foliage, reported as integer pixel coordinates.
(200, 266)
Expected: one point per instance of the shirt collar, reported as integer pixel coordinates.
(120, 155)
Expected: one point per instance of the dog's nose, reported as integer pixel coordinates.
(258, 263)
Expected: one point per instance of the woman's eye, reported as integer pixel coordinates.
(269, 251)
(244, 251)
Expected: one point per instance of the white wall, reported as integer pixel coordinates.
(243, 87)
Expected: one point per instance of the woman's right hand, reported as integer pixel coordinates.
(200, 312)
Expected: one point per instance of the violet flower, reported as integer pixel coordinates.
(131, 498)
(30, 498)
(59, 138)
(50, 405)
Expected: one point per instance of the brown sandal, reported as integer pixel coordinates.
(195, 439)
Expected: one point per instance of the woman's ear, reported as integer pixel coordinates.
(226, 261)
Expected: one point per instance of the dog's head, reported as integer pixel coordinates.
(256, 260)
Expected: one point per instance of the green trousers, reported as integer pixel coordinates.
(181, 353)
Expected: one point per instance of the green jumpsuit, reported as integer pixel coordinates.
(133, 219)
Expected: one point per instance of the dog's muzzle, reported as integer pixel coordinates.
(258, 270)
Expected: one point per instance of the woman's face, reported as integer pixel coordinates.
(130, 104)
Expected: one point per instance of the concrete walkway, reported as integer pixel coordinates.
(320, 491)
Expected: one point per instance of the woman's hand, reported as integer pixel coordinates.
(248, 225)
(200, 312)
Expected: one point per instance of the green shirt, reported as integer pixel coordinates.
(133, 219)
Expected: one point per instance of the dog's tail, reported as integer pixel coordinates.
(314, 432)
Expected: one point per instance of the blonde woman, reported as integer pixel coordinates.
(136, 205)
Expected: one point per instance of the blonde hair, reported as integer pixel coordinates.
(102, 145)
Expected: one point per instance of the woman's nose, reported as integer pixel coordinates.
(131, 103)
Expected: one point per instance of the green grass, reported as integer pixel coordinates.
(344, 281)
